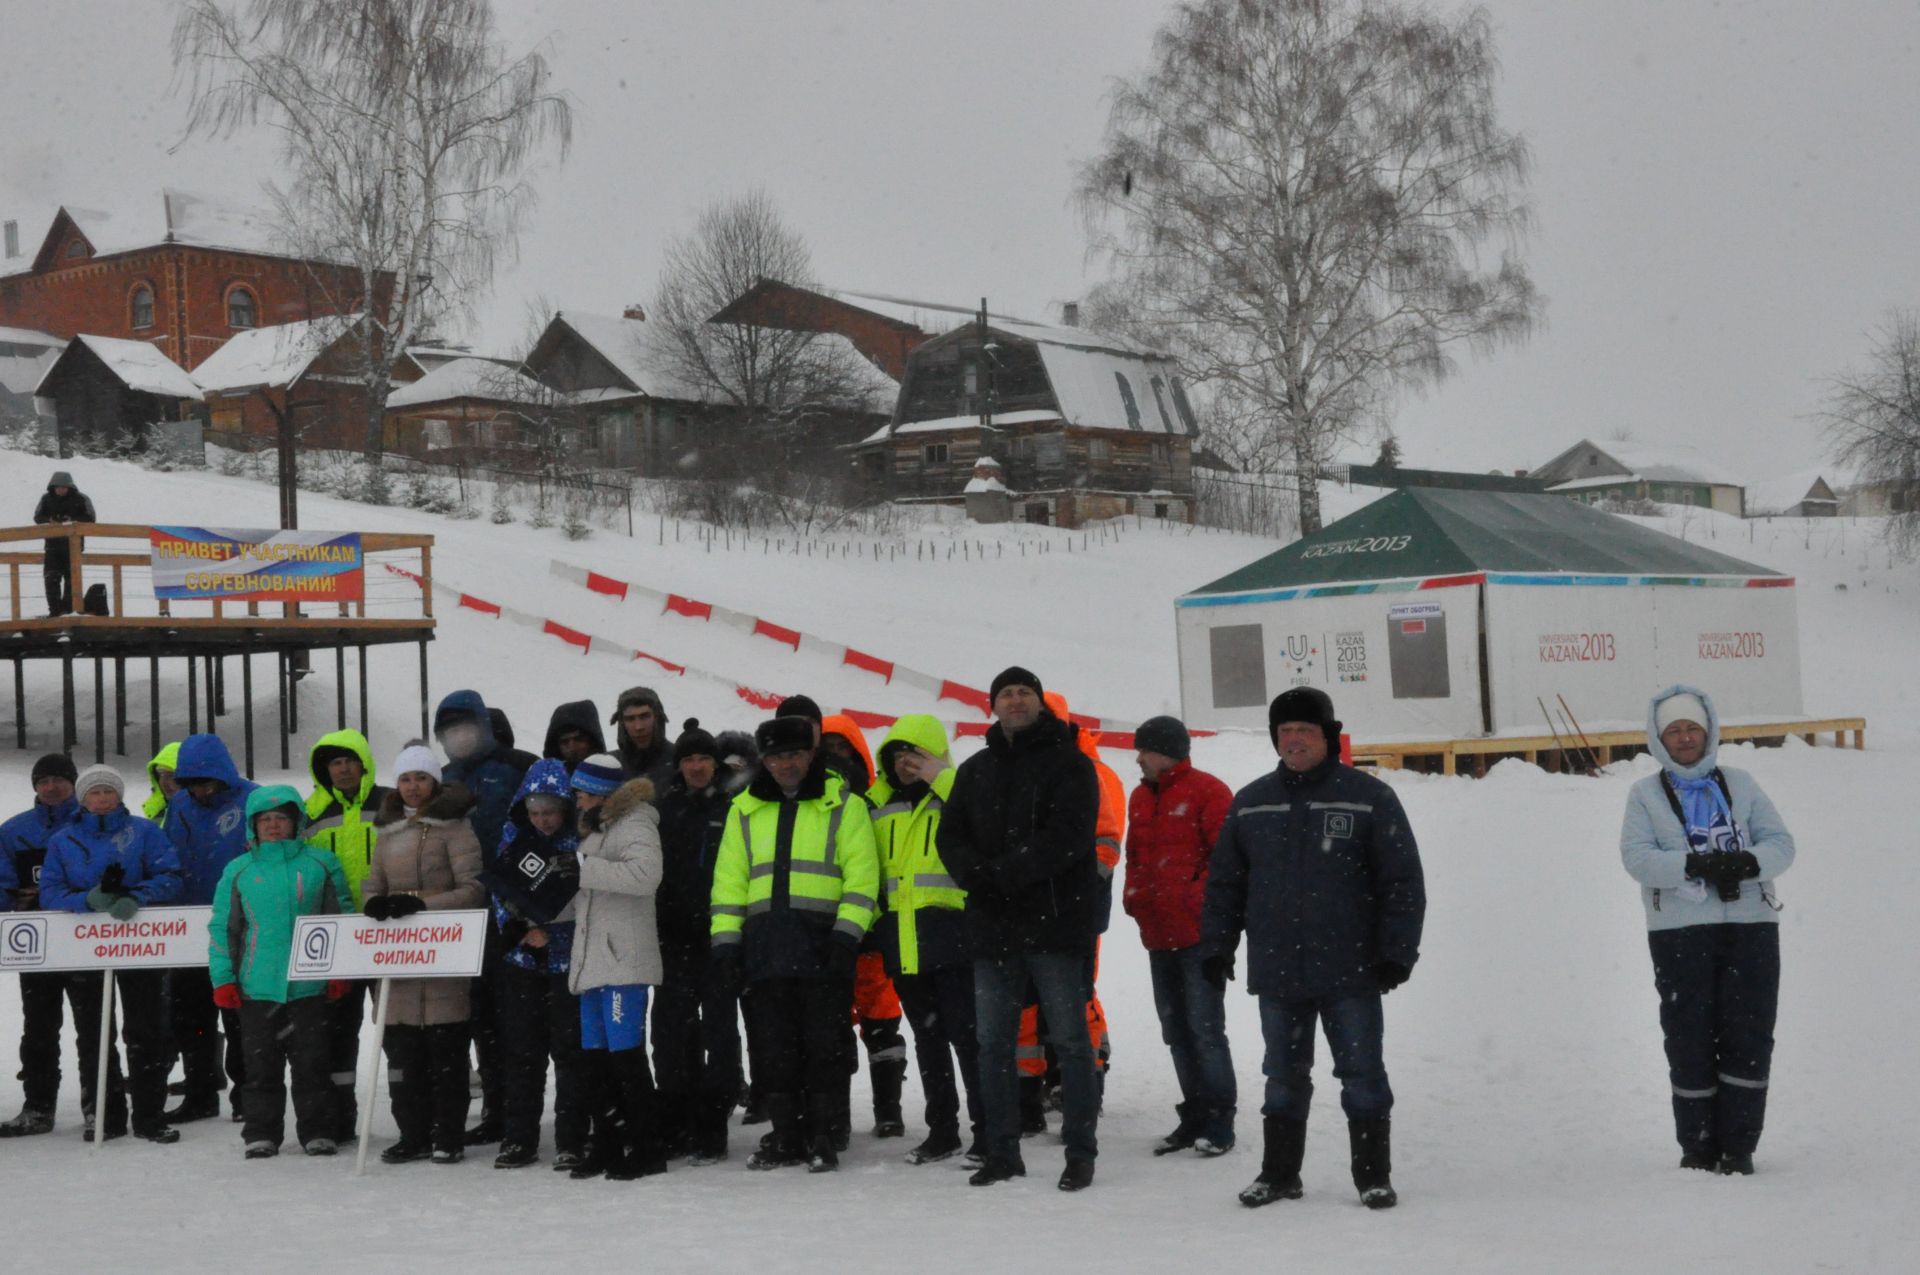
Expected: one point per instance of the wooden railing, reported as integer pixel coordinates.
(22, 596)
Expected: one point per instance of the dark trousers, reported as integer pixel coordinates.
(42, 1015)
(280, 1037)
(1719, 988)
(799, 1033)
(344, 1017)
(696, 1039)
(486, 1040)
(427, 1081)
(1355, 1029)
(1193, 1025)
(142, 1014)
(538, 1019)
(1063, 982)
(197, 1025)
(57, 572)
(939, 1008)
(622, 1082)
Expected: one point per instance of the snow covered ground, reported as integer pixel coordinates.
(1532, 1125)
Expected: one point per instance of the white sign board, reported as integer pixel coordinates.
(424, 945)
(156, 938)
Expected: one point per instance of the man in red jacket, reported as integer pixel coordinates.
(1174, 817)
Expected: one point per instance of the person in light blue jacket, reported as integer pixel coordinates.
(1706, 844)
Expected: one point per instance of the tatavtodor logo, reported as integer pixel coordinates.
(24, 944)
(315, 955)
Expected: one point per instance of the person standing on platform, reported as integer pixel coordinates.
(62, 503)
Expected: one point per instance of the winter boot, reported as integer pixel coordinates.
(1706, 1161)
(786, 1145)
(940, 1144)
(27, 1124)
(195, 1107)
(1033, 1109)
(1183, 1133)
(484, 1133)
(1286, 1147)
(1737, 1164)
(1372, 1145)
(998, 1169)
(823, 1140)
(1215, 1131)
(888, 1076)
(708, 1128)
(1077, 1176)
(639, 1104)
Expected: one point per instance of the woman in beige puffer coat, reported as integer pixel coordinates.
(425, 858)
(616, 953)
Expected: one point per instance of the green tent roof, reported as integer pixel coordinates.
(1420, 532)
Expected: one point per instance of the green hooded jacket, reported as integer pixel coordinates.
(260, 896)
(156, 805)
(343, 822)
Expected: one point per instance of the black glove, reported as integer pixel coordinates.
(512, 930)
(114, 879)
(1700, 867)
(1390, 975)
(728, 975)
(842, 959)
(399, 905)
(376, 907)
(1738, 865)
(1217, 969)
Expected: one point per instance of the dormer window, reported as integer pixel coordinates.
(242, 312)
(142, 306)
(76, 247)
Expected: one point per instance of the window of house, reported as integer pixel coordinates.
(1183, 407)
(76, 247)
(1099, 450)
(1127, 400)
(143, 307)
(242, 312)
(1159, 509)
(1160, 401)
(934, 453)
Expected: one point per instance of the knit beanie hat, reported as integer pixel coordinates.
(56, 765)
(1683, 707)
(1014, 676)
(598, 775)
(416, 756)
(100, 777)
(800, 706)
(694, 742)
(783, 734)
(1164, 735)
(1304, 704)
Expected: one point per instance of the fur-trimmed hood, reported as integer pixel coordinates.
(627, 798)
(452, 802)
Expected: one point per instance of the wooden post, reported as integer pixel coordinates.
(193, 696)
(426, 581)
(20, 705)
(423, 690)
(69, 728)
(340, 682)
(153, 702)
(363, 687)
(118, 592)
(246, 696)
(280, 676)
(99, 711)
(120, 705)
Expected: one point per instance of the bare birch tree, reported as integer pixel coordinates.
(1872, 416)
(407, 130)
(1312, 204)
(777, 378)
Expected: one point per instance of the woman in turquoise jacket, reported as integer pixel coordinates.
(283, 1021)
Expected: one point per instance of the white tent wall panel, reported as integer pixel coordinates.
(1608, 648)
(1352, 646)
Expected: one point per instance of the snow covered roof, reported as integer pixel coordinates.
(984, 484)
(1777, 495)
(469, 378)
(948, 423)
(137, 365)
(1664, 463)
(628, 345)
(272, 357)
(25, 356)
(177, 217)
(931, 317)
(1109, 389)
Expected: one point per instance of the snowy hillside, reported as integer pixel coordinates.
(1532, 1129)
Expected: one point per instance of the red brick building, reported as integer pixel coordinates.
(185, 274)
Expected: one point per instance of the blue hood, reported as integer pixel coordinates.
(205, 757)
(544, 776)
(470, 705)
(1708, 760)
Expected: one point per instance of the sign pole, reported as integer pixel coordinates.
(373, 1080)
(106, 1055)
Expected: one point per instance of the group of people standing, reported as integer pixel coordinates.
(826, 894)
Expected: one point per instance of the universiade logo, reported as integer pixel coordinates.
(25, 944)
(315, 956)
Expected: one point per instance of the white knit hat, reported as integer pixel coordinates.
(100, 777)
(416, 756)
(1679, 708)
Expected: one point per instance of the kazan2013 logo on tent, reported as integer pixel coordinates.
(248, 565)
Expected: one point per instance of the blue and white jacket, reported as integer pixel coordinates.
(1654, 844)
(81, 852)
(23, 847)
(207, 837)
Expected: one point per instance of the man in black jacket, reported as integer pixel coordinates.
(640, 736)
(1316, 862)
(63, 502)
(573, 734)
(1018, 835)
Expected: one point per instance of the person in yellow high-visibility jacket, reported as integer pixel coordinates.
(921, 933)
(795, 887)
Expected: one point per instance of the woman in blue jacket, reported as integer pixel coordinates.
(111, 861)
(1705, 845)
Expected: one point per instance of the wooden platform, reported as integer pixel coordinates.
(1568, 754)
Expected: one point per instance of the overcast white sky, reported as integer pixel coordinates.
(1726, 192)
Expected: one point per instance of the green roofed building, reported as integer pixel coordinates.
(1443, 614)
